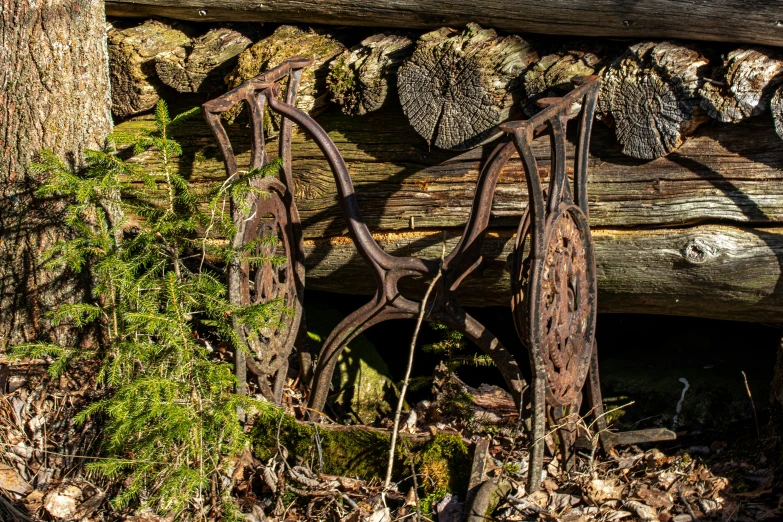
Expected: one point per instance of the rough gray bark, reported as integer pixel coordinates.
(361, 79)
(754, 21)
(706, 271)
(132, 53)
(201, 65)
(776, 107)
(458, 86)
(55, 96)
(285, 42)
(650, 95)
(743, 86)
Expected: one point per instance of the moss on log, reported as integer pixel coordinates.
(743, 85)
(364, 77)
(650, 95)
(201, 65)
(285, 42)
(363, 452)
(459, 85)
(132, 53)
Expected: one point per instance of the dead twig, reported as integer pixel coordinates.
(406, 381)
(687, 504)
(752, 404)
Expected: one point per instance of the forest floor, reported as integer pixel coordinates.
(43, 453)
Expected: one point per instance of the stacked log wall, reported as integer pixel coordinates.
(693, 232)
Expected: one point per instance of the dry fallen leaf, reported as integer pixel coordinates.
(61, 502)
(656, 499)
(599, 491)
(643, 511)
(11, 480)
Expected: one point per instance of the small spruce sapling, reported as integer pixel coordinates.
(170, 414)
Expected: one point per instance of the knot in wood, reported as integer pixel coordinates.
(698, 251)
(457, 87)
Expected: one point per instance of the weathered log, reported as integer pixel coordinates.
(458, 86)
(650, 95)
(776, 107)
(705, 271)
(718, 175)
(743, 86)
(717, 20)
(552, 74)
(132, 53)
(201, 65)
(361, 79)
(285, 42)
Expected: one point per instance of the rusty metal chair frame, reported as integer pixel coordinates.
(554, 285)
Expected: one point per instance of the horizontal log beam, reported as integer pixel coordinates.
(757, 22)
(706, 271)
(724, 173)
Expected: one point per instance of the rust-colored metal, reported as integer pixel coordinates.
(553, 263)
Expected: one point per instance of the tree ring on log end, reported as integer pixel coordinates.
(457, 87)
(565, 289)
(650, 92)
(270, 277)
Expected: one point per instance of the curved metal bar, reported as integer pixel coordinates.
(583, 144)
(365, 243)
(372, 313)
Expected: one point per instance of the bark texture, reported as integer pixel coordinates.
(362, 79)
(459, 85)
(201, 65)
(753, 21)
(650, 94)
(132, 53)
(55, 96)
(743, 86)
(285, 42)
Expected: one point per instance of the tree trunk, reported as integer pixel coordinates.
(55, 96)
(650, 95)
(743, 86)
(717, 20)
(457, 87)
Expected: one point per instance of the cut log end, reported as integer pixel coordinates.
(201, 66)
(285, 42)
(776, 106)
(132, 54)
(361, 79)
(458, 86)
(650, 93)
(743, 86)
